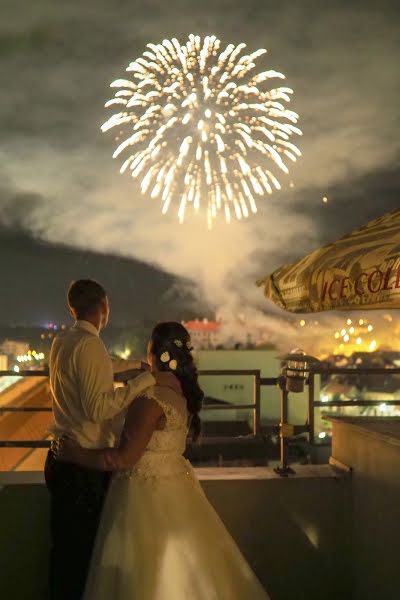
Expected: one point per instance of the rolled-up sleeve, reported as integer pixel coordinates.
(100, 401)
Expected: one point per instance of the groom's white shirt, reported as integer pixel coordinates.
(85, 404)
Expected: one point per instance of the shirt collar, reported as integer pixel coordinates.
(86, 326)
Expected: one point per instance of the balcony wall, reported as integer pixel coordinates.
(295, 532)
(371, 448)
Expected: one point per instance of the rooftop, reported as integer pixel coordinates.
(203, 325)
(328, 532)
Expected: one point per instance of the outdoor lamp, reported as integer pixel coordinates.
(295, 368)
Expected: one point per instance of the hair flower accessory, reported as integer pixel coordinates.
(178, 343)
(165, 357)
(189, 346)
(173, 364)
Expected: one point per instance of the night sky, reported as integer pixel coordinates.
(65, 212)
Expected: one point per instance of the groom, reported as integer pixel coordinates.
(85, 408)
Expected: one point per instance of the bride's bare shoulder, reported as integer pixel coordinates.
(169, 398)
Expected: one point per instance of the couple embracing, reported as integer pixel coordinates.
(129, 520)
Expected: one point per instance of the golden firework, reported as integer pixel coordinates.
(200, 126)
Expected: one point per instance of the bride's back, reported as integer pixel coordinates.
(172, 437)
(163, 456)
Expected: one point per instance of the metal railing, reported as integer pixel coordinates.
(320, 369)
(32, 444)
(255, 406)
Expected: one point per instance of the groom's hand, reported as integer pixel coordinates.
(122, 366)
(124, 376)
(168, 379)
(64, 449)
(137, 365)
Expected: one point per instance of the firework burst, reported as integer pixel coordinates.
(201, 127)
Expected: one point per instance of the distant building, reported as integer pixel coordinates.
(14, 348)
(3, 362)
(205, 334)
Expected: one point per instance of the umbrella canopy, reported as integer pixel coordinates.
(359, 271)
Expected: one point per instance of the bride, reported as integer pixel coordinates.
(159, 537)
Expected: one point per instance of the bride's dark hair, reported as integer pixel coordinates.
(174, 339)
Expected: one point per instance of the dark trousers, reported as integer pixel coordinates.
(77, 497)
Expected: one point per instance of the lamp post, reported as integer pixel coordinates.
(294, 371)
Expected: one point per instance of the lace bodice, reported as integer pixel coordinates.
(171, 439)
(163, 456)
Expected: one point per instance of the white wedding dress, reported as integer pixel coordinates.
(159, 537)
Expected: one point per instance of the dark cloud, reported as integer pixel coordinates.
(35, 276)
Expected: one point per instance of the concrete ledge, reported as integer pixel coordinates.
(341, 467)
(263, 473)
(21, 478)
(386, 429)
(203, 473)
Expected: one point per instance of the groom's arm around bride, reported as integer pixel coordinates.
(86, 407)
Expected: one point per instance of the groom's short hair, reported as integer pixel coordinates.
(84, 296)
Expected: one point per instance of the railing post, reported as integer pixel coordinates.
(286, 430)
(284, 420)
(257, 404)
(311, 414)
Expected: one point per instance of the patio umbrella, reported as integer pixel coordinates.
(359, 271)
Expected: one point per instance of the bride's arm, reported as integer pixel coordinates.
(143, 416)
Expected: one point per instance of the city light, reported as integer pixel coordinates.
(31, 356)
(54, 326)
(362, 335)
(124, 354)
